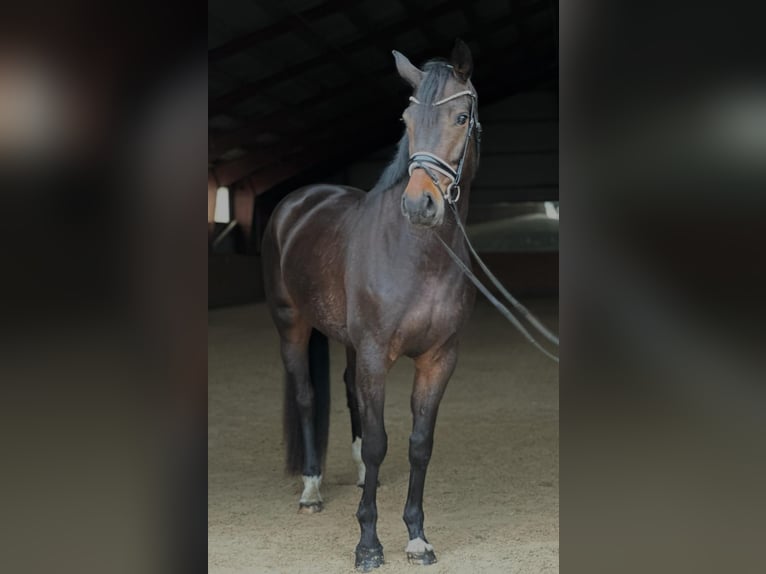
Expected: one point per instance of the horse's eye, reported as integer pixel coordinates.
(461, 119)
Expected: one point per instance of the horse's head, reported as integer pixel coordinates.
(441, 123)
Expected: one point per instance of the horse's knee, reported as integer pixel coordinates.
(421, 446)
(304, 397)
(374, 448)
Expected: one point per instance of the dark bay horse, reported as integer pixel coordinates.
(369, 270)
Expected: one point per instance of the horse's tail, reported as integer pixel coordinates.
(319, 372)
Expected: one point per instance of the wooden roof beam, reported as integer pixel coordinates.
(220, 143)
(237, 95)
(275, 30)
(377, 128)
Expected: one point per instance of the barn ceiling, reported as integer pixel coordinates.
(303, 85)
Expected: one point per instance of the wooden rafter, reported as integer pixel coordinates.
(362, 130)
(347, 141)
(275, 30)
(322, 136)
(424, 22)
(219, 143)
(322, 45)
(222, 103)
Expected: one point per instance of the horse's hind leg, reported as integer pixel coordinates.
(299, 400)
(349, 377)
(432, 372)
(300, 418)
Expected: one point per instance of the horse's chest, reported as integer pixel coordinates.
(424, 327)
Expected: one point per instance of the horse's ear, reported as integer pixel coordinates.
(407, 70)
(462, 61)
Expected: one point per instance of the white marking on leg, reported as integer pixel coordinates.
(311, 486)
(418, 546)
(356, 454)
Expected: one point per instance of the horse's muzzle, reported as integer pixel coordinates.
(423, 211)
(421, 202)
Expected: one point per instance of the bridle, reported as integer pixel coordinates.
(429, 162)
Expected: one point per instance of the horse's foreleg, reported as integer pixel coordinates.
(370, 381)
(431, 376)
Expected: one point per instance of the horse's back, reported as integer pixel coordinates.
(303, 253)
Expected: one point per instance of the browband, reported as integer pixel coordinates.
(414, 100)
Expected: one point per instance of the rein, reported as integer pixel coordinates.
(492, 299)
(429, 163)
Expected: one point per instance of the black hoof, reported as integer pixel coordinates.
(310, 508)
(423, 558)
(368, 559)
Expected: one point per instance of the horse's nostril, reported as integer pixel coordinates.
(429, 206)
(408, 206)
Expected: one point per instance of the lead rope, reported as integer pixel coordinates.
(492, 299)
(496, 282)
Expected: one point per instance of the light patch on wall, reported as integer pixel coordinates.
(222, 211)
(739, 120)
(34, 107)
(551, 210)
